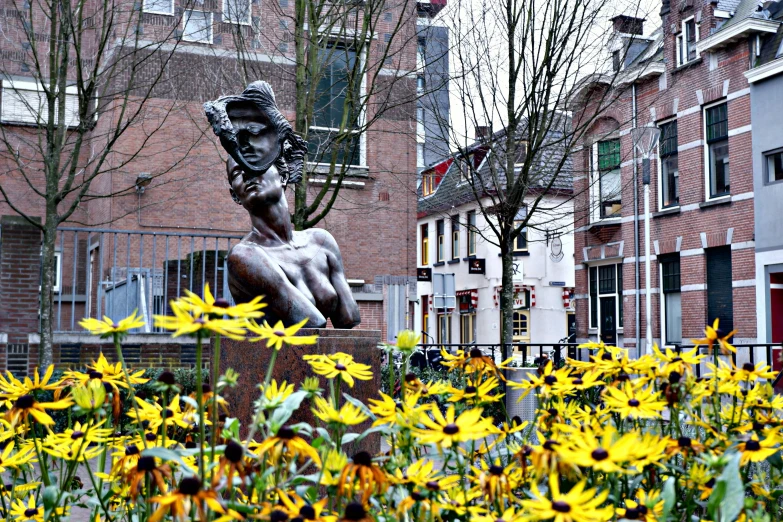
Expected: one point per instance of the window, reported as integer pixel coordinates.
(425, 245)
(454, 237)
(165, 7)
(520, 242)
(425, 316)
(672, 302)
(606, 167)
(58, 271)
(521, 326)
(428, 183)
(605, 287)
(773, 162)
(472, 233)
(236, 11)
(444, 328)
(465, 172)
(717, 126)
(519, 161)
(467, 320)
(686, 41)
(25, 102)
(197, 27)
(593, 297)
(420, 155)
(440, 225)
(670, 172)
(337, 91)
(720, 302)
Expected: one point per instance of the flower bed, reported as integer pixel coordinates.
(614, 438)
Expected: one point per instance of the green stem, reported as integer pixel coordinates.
(200, 403)
(215, 376)
(131, 391)
(269, 370)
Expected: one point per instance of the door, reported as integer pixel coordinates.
(608, 320)
(570, 327)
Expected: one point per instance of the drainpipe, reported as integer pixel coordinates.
(636, 231)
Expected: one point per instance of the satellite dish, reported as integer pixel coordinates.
(556, 250)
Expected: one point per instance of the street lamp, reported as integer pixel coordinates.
(644, 141)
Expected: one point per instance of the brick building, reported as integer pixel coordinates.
(688, 79)
(151, 243)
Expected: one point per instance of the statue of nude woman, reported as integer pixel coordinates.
(300, 273)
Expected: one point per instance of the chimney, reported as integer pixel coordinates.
(482, 132)
(628, 25)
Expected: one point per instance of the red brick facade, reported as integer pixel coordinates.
(698, 223)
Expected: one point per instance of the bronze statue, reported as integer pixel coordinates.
(299, 272)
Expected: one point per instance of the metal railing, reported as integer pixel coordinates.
(102, 271)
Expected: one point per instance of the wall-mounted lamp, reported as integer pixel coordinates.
(142, 181)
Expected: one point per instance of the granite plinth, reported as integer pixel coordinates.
(251, 361)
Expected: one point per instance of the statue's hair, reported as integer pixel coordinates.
(292, 147)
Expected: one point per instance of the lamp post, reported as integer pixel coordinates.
(644, 140)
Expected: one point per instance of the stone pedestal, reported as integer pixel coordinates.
(251, 361)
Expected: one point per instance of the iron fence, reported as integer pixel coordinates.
(102, 271)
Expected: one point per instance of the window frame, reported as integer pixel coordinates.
(58, 272)
(668, 259)
(424, 243)
(428, 183)
(455, 246)
(230, 21)
(594, 301)
(596, 175)
(681, 44)
(765, 157)
(523, 338)
(361, 117)
(472, 233)
(440, 233)
(145, 9)
(447, 318)
(14, 87)
(708, 153)
(662, 157)
(210, 24)
(470, 319)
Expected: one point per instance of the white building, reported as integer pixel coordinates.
(453, 236)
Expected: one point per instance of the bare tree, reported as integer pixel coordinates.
(78, 79)
(350, 65)
(518, 65)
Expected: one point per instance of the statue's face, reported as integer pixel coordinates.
(256, 135)
(254, 192)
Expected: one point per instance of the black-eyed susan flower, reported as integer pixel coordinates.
(355, 512)
(184, 322)
(609, 452)
(26, 405)
(286, 443)
(178, 502)
(480, 392)
(422, 473)
(512, 514)
(449, 429)
(712, 334)
(220, 307)
(276, 335)
(362, 474)
(496, 481)
(347, 415)
(81, 442)
(107, 327)
(30, 512)
(12, 388)
(755, 450)
(340, 365)
(147, 467)
(646, 506)
(578, 505)
(231, 463)
(103, 371)
(298, 508)
(634, 402)
(151, 414)
(24, 455)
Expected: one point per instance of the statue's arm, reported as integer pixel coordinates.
(347, 314)
(252, 273)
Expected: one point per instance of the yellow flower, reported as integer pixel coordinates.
(153, 414)
(90, 397)
(108, 327)
(333, 465)
(481, 393)
(220, 307)
(446, 431)
(179, 501)
(711, 335)
(78, 443)
(607, 453)
(639, 403)
(577, 505)
(185, 323)
(27, 513)
(286, 443)
(347, 415)
(273, 395)
(275, 337)
(104, 371)
(12, 388)
(27, 405)
(339, 364)
(407, 340)
(755, 450)
(25, 455)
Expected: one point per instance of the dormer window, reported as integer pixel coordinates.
(686, 41)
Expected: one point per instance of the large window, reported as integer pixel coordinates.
(472, 233)
(425, 245)
(197, 26)
(606, 167)
(165, 7)
(455, 237)
(670, 171)
(521, 326)
(337, 95)
(720, 303)
(672, 299)
(441, 230)
(686, 41)
(605, 287)
(236, 11)
(25, 102)
(717, 126)
(467, 318)
(773, 165)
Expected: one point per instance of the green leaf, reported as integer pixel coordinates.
(348, 438)
(728, 498)
(50, 495)
(359, 404)
(668, 497)
(775, 461)
(165, 454)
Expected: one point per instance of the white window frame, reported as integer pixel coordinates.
(595, 182)
(618, 295)
(362, 113)
(660, 165)
(681, 43)
(521, 338)
(707, 150)
(58, 256)
(238, 22)
(765, 157)
(13, 87)
(185, 18)
(662, 301)
(146, 9)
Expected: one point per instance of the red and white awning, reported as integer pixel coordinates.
(567, 293)
(473, 296)
(517, 289)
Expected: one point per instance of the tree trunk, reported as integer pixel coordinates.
(299, 215)
(45, 353)
(506, 298)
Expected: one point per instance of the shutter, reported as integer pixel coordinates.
(22, 106)
(720, 304)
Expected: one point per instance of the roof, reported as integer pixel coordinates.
(772, 48)
(452, 191)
